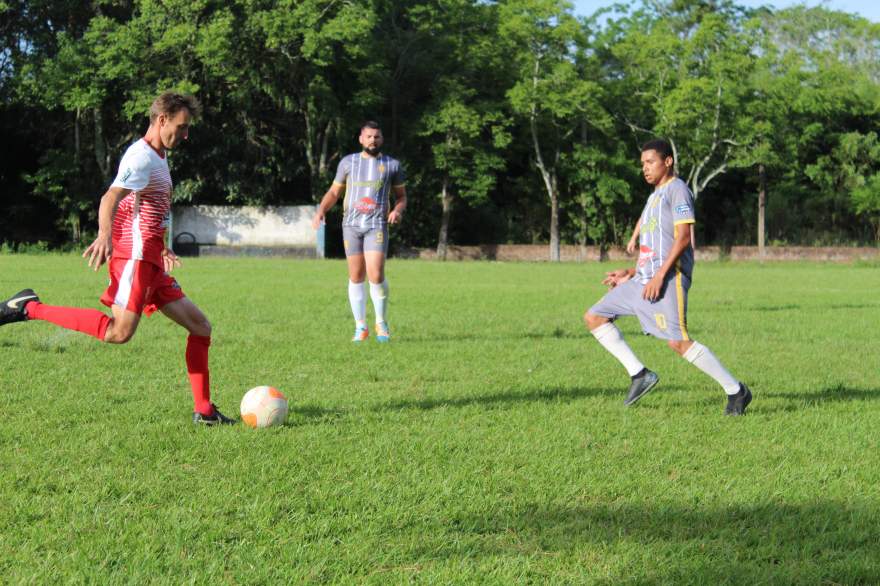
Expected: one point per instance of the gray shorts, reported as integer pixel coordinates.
(359, 240)
(665, 318)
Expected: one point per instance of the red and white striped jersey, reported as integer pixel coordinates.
(142, 216)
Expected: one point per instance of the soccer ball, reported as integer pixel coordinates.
(263, 407)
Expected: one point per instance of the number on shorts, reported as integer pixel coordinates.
(661, 320)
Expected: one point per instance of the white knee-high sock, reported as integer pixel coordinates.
(612, 340)
(702, 358)
(379, 295)
(358, 302)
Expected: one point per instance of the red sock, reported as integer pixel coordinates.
(197, 367)
(87, 321)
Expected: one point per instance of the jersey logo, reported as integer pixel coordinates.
(13, 303)
(645, 255)
(126, 175)
(683, 209)
(366, 205)
(381, 168)
(650, 225)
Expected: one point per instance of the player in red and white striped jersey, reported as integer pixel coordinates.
(132, 220)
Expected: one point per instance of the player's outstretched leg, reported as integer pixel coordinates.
(379, 296)
(14, 308)
(358, 301)
(607, 334)
(25, 305)
(738, 395)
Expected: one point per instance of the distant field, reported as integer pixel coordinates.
(487, 443)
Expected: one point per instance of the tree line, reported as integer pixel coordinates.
(516, 120)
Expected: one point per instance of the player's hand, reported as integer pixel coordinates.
(395, 217)
(615, 278)
(99, 251)
(652, 290)
(317, 220)
(169, 260)
(631, 246)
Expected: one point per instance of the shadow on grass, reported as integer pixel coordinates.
(316, 412)
(772, 308)
(797, 401)
(503, 398)
(765, 543)
(555, 334)
(853, 306)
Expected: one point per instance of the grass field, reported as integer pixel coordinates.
(486, 444)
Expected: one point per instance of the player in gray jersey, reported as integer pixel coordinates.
(655, 291)
(368, 179)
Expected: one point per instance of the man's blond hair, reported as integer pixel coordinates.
(170, 103)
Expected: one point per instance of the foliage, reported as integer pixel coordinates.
(498, 102)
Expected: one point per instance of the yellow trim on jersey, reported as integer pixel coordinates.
(399, 185)
(679, 294)
(338, 183)
(691, 221)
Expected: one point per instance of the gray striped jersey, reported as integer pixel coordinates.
(669, 209)
(368, 182)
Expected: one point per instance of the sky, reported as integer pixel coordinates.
(870, 9)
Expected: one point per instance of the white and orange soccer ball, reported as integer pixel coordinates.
(263, 407)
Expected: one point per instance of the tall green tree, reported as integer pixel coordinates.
(542, 37)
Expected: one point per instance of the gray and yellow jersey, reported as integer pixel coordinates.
(368, 182)
(669, 209)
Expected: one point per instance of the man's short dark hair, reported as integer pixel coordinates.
(170, 103)
(662, 146)
(371, 124)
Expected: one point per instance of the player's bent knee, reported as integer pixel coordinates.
(200, 327)
(594, 321)
(679, 346)
(119, 335)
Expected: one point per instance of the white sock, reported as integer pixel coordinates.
(702, 358)
(379, 295)
(610, 337)
(358, 303)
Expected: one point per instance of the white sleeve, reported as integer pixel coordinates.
(134, 170)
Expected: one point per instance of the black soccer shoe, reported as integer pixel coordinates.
(216, 419)
(736, 404)
(12, 310)
(642, 383)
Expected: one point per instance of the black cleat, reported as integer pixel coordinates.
(736, 404)
(642, 383)
(12, 310)
(216, 419)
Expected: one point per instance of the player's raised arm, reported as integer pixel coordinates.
(99, 251)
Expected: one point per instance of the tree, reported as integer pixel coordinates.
(468, 141)
(684, 67)
(549, 92)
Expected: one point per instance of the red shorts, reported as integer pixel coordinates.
(139, 286)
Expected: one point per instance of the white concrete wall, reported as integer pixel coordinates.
(282, 226)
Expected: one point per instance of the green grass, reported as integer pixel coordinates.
(486, 444)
